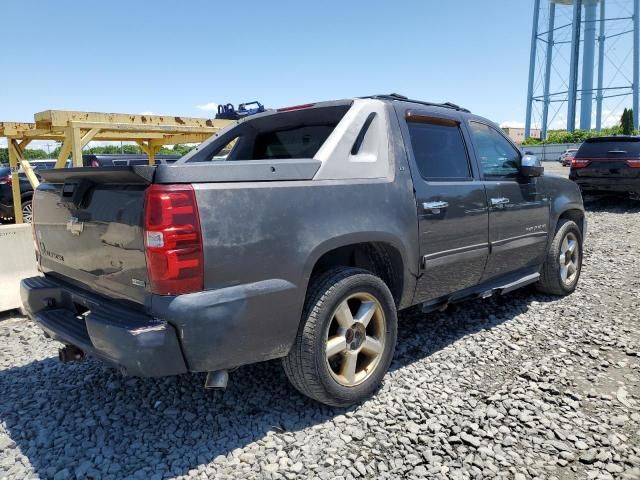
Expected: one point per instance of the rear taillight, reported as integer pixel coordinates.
(579, 163)
(5, 180)
(173, 240)
(634, 163)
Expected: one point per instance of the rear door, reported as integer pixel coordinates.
(451, 205)
(518, 206)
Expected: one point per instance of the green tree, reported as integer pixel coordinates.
(626, 122)
(178, 149)
(29, 154)
(35, 154)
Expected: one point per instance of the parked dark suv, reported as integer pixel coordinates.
(608, 165)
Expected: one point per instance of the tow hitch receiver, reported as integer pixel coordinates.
(70, 353)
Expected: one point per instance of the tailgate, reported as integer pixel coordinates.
(88, 226)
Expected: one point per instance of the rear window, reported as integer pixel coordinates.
(283, 135)
(610, 147)
(302, 142)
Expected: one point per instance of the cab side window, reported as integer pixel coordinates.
(438, 148)
(498, 158)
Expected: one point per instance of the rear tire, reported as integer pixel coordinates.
(346, 339)
(561, 270)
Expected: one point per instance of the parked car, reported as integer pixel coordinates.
(6, 195)
(608, 165)
(322, 222)
(116, 159)
(26, 191)
(567, 156)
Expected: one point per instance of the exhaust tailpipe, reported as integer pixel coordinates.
(217, 379)
(70, 353)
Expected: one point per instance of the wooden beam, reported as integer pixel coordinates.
(143, 146)
(15, 181)
(15, 129)
(74, 135)
(28, 171)
(126, 127)
(154, 148)
(63, 156)
(87, 137)
(61, 118)
(23, 145)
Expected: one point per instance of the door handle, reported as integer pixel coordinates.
(434, 207)
(499, 202)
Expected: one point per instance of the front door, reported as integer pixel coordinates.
(518, 208)
(451, 206)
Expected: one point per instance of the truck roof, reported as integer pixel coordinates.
(391, 97)
(396, 97)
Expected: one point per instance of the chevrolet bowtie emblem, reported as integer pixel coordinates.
(74, 226)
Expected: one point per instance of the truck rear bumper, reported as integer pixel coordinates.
(137, 343)
(612, 185)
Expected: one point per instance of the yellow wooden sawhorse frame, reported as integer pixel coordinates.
(76, 129)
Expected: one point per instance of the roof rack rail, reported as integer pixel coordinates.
(402, 98)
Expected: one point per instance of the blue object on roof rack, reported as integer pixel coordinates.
(228, 112)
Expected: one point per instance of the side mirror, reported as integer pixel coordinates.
(531, 166)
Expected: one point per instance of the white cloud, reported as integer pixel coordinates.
(208, 107)
(146, 113)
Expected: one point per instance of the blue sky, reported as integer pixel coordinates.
(170, 58)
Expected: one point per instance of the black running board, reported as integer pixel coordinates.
(499, 289)
(522, 282)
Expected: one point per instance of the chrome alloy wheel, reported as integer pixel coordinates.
(569, 259)
(27, 212)
(355, 339)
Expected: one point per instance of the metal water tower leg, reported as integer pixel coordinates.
(575, 59)
(547, 71)
(588, 59)
(636, 65)
(601, 40)
(532, 68)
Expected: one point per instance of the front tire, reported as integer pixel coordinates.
(346, 340)
(563, 264)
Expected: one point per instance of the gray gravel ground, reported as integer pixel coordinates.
(525, 386)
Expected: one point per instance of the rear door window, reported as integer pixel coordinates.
(438, 148)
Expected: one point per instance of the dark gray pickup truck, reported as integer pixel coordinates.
(297, 234)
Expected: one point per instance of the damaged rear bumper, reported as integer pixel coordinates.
(136, 343)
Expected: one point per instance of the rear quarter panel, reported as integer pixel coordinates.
(261, 242)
